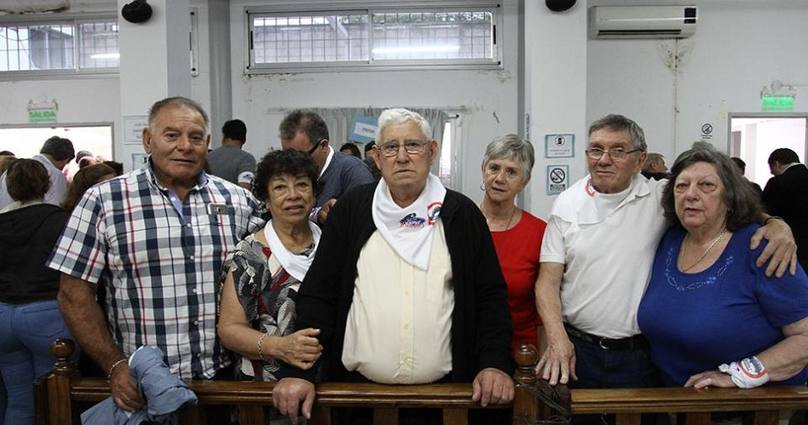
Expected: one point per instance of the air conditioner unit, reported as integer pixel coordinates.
(642, 21)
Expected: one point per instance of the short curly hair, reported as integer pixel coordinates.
(27, 180)
(279, 162)
(743, 204)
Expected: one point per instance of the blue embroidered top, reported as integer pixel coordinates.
(730, 311)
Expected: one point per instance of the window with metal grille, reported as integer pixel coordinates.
(59, 46)
(430, 35)
(99, 45)
(381, 38)
(310, 38)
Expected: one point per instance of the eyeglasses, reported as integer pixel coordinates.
(314, 148)
(412, 147)
(616, 154)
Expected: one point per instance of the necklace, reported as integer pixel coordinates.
(706, 251)
(507, 226)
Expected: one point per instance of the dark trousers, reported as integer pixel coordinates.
(601, 368)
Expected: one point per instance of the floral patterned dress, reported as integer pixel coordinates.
(267, 293)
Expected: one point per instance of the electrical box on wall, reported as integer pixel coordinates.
(642, 21)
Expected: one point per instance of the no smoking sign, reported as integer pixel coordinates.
(557, 178)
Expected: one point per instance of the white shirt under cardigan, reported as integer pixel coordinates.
(399, 326)
(607, 246)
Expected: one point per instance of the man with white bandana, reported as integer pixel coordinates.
(405, 287)
(596, 260)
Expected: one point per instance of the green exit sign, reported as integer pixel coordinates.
(777, 103)
(42, 115)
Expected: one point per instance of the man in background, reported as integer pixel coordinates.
(370, 152)
(229, 161)
(742, 166)
(654, 167)
(307, 132)
(786, 195)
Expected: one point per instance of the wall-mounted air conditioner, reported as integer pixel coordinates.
(642, 21)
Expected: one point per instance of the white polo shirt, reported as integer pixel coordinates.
(607, 247)
(399, 326)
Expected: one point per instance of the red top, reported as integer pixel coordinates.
(518, 251)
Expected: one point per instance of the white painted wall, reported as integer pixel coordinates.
(739, 47)
(488, 97)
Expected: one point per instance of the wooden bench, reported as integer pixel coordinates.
(62, 395)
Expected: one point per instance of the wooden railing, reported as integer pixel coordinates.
(63, 394)
(759, 406)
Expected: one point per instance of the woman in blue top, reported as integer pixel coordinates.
(712, 317)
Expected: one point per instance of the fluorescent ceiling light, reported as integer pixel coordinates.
(98, 56)
(444, 48)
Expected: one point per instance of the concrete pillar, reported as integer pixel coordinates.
(155, 63)
(221, 91)
(555, 84)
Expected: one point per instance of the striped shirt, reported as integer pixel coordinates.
(160, 261)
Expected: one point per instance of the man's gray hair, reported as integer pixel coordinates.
(511, 146)
(400, 116)
(177, 101)
(616, 122)
(652, 159)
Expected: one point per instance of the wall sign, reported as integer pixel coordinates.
(363, 129)
(558, 177)
(706, 131)
(42, 112)
(559, 145)
(133, 126)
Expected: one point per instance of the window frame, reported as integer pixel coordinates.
(75, 20)
(496, 63)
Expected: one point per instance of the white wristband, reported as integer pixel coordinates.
(747, 373)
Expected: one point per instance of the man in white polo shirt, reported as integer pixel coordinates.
(596, 258)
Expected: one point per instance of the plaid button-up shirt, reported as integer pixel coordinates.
(160, 267)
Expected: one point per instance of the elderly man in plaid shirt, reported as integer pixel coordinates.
(156, 238)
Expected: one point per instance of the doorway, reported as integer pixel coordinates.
(26, 141)
(752, 137)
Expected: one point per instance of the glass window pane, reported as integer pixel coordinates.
(303, 39)
(51, 46)
(424, 36)
(36, 47)
(99, 45)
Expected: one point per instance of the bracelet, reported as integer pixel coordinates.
(261, 346)
(771, 217)
(114, 365)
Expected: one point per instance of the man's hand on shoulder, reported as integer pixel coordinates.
(322, 215)
(287, 395)
(781, 251)
(492, 386)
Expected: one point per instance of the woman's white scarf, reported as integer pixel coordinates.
(409, 230)
(295, 264)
